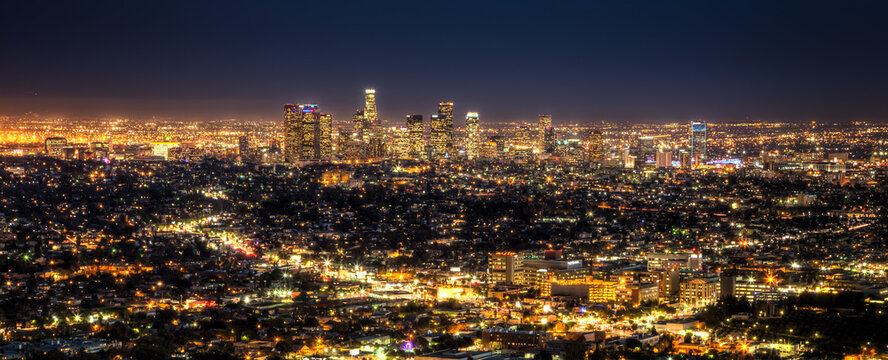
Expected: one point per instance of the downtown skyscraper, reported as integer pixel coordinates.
(307, 133)
(545, 122)
(473, 136)
(371, 117)
(698, 142)
(360, 133)
(594, 146)
(414, 126)
(442, 131)
(292, 132)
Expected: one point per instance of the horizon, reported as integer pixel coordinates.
(586, 62)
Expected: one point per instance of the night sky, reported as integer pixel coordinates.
(582, 61)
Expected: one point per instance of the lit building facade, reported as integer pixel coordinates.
(601, 291)
(442, 130)
(698, 142)
(700, 291)
(308, 133)
(473, 136)
(325, 135)
(371, 117)
(414, 126)
(545, 121)
(594, 146)
(53, 145)
(401, 146)
(360, 132)
(506, 268)
(292, 132)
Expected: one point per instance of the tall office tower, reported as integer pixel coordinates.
(594, 146)
(243, 145)
(645, 151)
(473, 136)
(445, 114)
(311, 128)
(358, 123)
(684, 159)
(664, 159)
(545, 121)
(243, 148)
(698, 142)
(402, 146)
(549, 140)
(371, 117)
(292, 132)
(436, 137)
(325, 135)
(442, 130)
(414, 126)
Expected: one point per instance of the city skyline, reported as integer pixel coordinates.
(454, 180)
(586, 62)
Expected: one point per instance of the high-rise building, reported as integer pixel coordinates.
(473, 136)
(506, 268)
(292, 132)
(594, 146)
(549, 140)
(308, 133)
(645, 151)
(310, 147)
(358, 124)
(545, 121)
(414, 126)
(664, 159)
(698, 142)
(371, 117)
(684, 159)
(442, 130)
(243, 148)
(325, 135)
(436, 137)
(401, 146)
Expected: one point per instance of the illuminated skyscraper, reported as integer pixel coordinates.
(545, 121)
(308, 133)
(473, 136)
(292, 133)
(594, 146)
(442, 130)
(358, 123)
(664, 159)
(698, 142)
(325, 135)
(371, 117)
(243, 148)
(414, 126)
(401, 146)
(549, 140)
(436, 137)
(311, 128)
(645, 151)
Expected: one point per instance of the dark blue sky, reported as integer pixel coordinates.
(619, 60)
